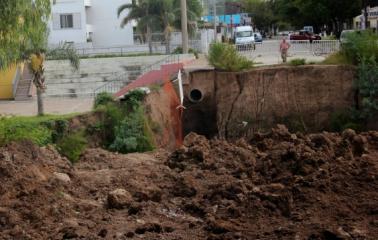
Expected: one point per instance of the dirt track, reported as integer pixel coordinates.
(277, 186)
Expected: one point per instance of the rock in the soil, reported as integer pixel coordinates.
(348, 133)
(359, 145)
(119, 199)
(63, 177)
(281, 131)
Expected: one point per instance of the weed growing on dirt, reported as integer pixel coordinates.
(297, 62)
(225, 57)
(72, 145)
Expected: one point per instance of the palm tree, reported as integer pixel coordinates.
(170, 16)
(36, 63)
(143, 12)
(167, 17)
(162, 15)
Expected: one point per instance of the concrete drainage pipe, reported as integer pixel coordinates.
(195, 96)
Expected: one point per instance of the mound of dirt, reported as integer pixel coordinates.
(274, 186)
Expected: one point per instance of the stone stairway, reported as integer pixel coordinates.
(24, 86)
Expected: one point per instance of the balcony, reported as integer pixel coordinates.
(87, 3)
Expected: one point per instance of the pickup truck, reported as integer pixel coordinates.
(304, 35)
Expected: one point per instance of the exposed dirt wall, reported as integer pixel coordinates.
(301, 97)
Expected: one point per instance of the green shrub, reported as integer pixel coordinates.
(339, 121)
(297, 62)
(367, 84)
(116, 115)
(360, 45)
(179, 50)
(113, 114)
(133, 134)
(72, 146)
(225, 57)
(134, 99)
(103, 99)
(59, 128)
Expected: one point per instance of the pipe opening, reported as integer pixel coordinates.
(195, 95)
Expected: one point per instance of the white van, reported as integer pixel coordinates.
(244, 37)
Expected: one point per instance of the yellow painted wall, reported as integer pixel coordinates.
(6, 82)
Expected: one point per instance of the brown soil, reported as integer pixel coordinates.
(275, 186)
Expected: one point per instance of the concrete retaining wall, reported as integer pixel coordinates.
(239, 104)
(93, 73)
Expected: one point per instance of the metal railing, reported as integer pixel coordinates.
(269, 48)
(121, 80)
(142, 49)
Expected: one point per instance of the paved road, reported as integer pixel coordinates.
(52, 106)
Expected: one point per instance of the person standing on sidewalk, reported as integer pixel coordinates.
(284, 47)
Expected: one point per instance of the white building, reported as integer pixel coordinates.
(88, 23)
(358, 22)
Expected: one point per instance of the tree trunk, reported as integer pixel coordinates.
(41, 110)
(149, 38)
(167, 42)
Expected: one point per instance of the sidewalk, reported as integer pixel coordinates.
(52, 106)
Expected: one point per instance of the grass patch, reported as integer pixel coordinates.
(337, 58)
(39, 129)
(297, 62)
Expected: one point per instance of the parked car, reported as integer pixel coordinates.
(304, 35)
(258, 37)
(344, 35)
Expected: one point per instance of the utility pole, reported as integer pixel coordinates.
(366, 14)
(215, 19)
(184, 27)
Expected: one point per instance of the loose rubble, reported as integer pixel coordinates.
(279, 185)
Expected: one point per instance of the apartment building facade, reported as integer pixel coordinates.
(372, 21)
(89, 23)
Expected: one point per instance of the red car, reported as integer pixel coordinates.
(303, 35)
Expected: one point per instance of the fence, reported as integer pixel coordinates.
(157, 48)
(316, 48)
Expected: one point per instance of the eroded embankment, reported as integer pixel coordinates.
(239, 104)
(277, 186)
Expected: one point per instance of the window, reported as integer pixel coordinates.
(244, 34)
(66, 21)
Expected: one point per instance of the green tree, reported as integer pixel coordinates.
(159, 15)
(144, 12)
(170, 17)
(261, 12)
(332, 13)
(23, 38)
